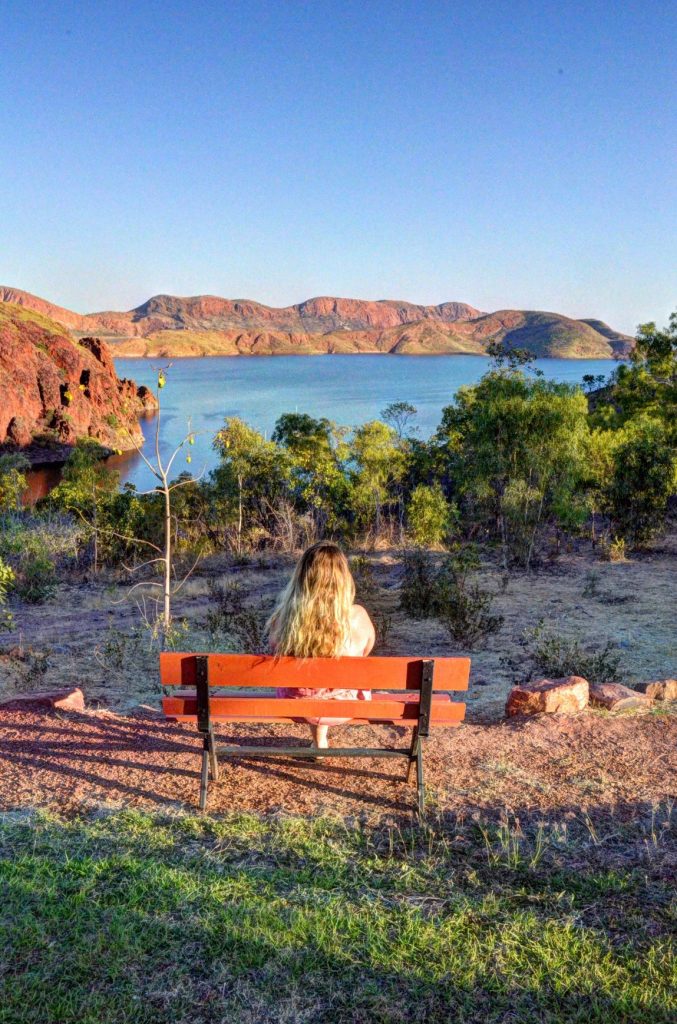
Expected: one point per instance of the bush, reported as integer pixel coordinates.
(231, 624)
(419, 590)
(644, 478)
(449, 594)
(463, 606)
(13, 482)
(548, 653)
(36, 579)
(6, 581)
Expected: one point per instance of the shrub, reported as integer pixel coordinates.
(550, 654)
(449, 594)
(463, 606)
(6, 581)
(231, 624)
(613, 549)
(13, 469)
(644, 478)
(366, 587)
(419, 590)
(36, 580)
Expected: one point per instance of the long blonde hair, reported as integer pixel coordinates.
(312, 616)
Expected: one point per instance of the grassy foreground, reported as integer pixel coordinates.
(128, 917)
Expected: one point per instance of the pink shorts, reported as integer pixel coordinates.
(322, 694)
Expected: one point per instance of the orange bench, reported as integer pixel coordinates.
(189, 680)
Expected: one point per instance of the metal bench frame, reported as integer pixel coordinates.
(211, 751)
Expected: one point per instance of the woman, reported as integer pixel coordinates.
(315, 618)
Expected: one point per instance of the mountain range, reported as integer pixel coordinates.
(170, 326)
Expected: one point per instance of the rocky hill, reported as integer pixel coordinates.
(167, 325)
(56, 389)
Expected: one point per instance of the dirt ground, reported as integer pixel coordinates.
(589, 767)
(91, 633)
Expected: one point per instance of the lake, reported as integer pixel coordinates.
(347, 389)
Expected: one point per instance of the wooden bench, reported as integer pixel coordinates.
(189, 680)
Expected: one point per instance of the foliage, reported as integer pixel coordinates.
(316, 476)
(429, 515)
(399, 415)
(515, 447)
(378, 463)
(13, 469)
(643, 479)
(6, 581)
(249, 480)
(36, 576)
(463, 605)
(88, 488)
(419, 591)
(648, 384)
(232, 624)
(546, 652)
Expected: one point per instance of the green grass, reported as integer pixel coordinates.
(128, 917)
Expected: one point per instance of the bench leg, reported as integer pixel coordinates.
(412, 754)
(204, 775)
(213, 761)
(419, 777)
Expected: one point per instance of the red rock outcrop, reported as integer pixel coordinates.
(62, 389)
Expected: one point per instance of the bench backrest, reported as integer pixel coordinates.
(417, 676)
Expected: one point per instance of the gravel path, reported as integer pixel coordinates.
(71, 762)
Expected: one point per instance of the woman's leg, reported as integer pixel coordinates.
(319, 733)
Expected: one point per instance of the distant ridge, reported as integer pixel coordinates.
(168, 325)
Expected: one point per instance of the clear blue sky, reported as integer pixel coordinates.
(506, 154)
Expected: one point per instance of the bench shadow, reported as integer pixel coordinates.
(72, 749)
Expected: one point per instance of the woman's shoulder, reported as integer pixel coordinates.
(360, 615)
(362, 628)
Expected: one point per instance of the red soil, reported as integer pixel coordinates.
(73, 761)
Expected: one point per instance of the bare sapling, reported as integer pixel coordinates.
(161, 469)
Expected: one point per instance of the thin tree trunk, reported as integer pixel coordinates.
(239, 515)
(167, 617)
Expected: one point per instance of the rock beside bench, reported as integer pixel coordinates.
(563, 696)
(67, 699)
(616, 697)
(660, 689)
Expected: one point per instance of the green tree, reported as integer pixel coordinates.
(87, 487)
(378, 465)
(251, 477)
(429, 515)
(643, 478)
(317, 477)
(646, 384)
(515, 447)
(399, 415)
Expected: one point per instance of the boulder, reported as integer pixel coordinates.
(616, 697)
(67, 699)
(660, 689)
(19, 432)
(561, 696)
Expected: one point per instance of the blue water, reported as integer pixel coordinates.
(350, 390)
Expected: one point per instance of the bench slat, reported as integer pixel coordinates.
(277, 709)
(263, 671)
